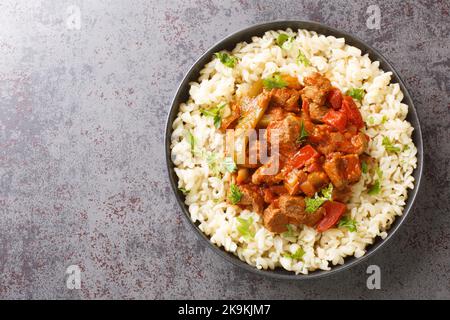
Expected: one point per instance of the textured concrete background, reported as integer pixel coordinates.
(82, 172)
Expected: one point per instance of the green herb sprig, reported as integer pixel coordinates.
(215, 113)
(302, 59)
(356, 93)
(347, 222)
(226, 59)
(297, 255)
(303, 134)
(389, 146)
(245, 228)
(275, 81)
(376, 186)
(312, 204)
(235, 194)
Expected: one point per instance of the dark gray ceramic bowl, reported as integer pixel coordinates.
(245, 35)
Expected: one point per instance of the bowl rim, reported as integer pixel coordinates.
(230, 42)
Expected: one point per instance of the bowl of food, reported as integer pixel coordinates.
(294, 149)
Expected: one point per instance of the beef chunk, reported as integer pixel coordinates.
(294, 209)
(328, 141)
(316, 88)
(311, 219)
(356, 143)
(315, 92)
(286, 98)
(342, 195)
(342, 169)
(287, 131)
(274, 220)
(317, 112)
(252, 198)
(289, 210)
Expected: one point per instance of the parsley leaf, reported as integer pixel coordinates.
(384, 119)
(348, 223)
(184, 191)
(301, 58)
(282, 39)
(244, 227)
(312, 204)
(327, 192)
(228, 60)
(376, 187)
(379, 173)
(235, 194)
(289, 233)
(364, 167)
(303, 134)
(297, 255)
(191, 140)
(356, 93)
(388, 146)
(215, 113)
(274, 82)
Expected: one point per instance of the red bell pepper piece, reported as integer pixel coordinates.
(305, 107)
(352, 112)
(301, 156)
(334, 211)
(335, 98)
(336, 119)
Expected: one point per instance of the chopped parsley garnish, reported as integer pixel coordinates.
(327, 192)
(297, 255)
(388, 145)
(371, 120)
(364, 167)
(384, 119)
(235, 194)
(215, 113)
(290, 232)
(312, 204)
(348, 223)
(217, 165)
(191, 140)
(184, 191)
(356, 93)
(244, 227)
(376, 187)
(275, 81)
(283, 39)
(303, 134)
(228, 60)
(301, 58)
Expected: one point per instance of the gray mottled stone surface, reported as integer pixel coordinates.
(82, 171)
